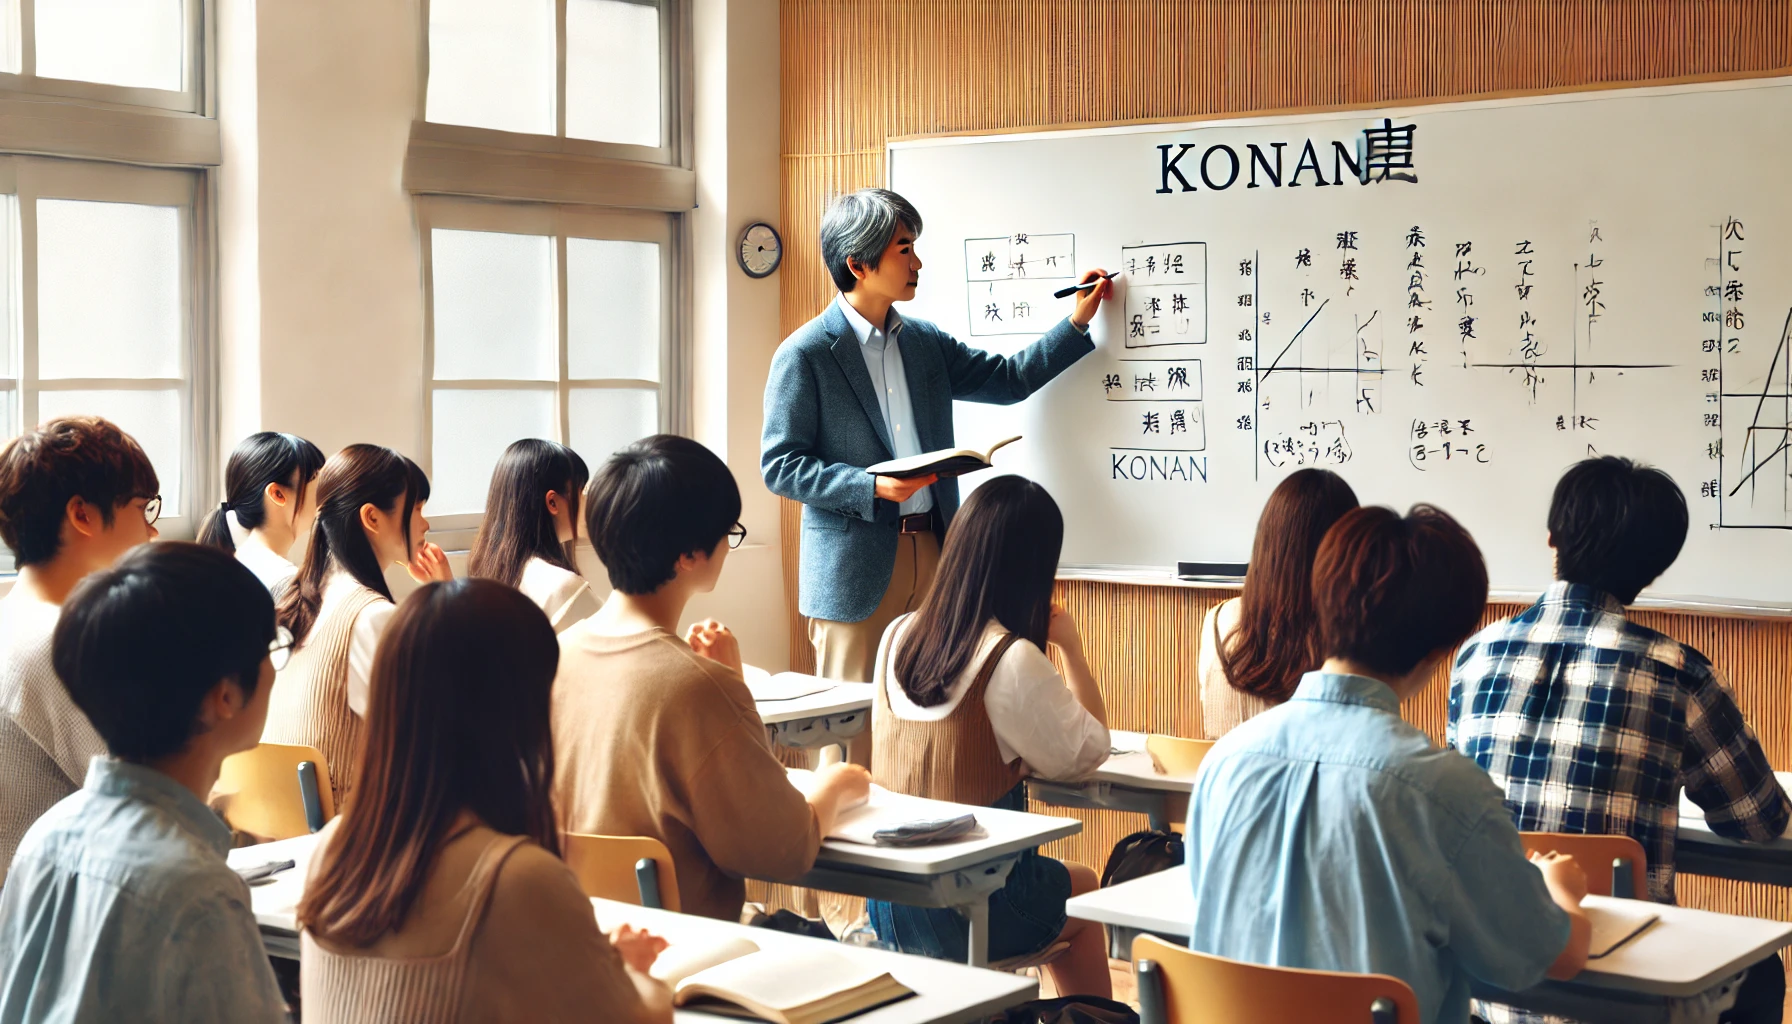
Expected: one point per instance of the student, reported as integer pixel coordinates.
(658, 736)
(369, 515)
(270, 500)
(531, 528)
(1329, 834)
(1592, 723)
(75, 494)
(968, 706)
(1256, 646)
(439, 895)
(121, 905)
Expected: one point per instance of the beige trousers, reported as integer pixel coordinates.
(847, 651)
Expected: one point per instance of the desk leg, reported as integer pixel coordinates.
(978, 944)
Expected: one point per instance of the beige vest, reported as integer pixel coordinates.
(309, 704)
(337, 988)
(955, 758)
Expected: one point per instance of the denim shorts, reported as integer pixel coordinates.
(1025, 915)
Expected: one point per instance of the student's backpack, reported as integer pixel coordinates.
(1140, 854)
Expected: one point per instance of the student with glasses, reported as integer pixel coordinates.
(75, 495)
(121, 905)
(656, 735)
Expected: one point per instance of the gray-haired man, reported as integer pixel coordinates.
(859, 384)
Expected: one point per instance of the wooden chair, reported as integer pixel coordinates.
(1623, 856)
(629, 869)
(277, 790)
(1179, 986)
(1173, 755)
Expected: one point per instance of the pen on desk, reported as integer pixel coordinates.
(1073, 289)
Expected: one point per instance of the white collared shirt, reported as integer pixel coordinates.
(883, 359)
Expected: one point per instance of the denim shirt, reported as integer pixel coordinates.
(1330, 834)
(120, 906)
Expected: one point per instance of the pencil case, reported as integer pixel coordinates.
(921, 833)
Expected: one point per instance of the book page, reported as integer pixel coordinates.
(683, 959)
(786, 685)
(1617, 923)
(782, 980)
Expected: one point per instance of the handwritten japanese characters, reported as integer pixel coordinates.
(1010, 281)
(1166, 294)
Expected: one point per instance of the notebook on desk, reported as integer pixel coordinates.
(884, 814)
(735, 978)
(1616, 923)
(766, 686)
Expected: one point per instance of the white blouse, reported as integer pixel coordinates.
(363, 639)
(274, 572)
(565, 596)
(1035, 716)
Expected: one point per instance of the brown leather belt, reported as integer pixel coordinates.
(920, 522)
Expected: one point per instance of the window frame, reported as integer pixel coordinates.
(558, 221)
(32, 178)
(197, 92)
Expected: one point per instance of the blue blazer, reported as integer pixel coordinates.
(823, 427)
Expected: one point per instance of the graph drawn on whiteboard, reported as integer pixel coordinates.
(1166, 293)
(1010, 281)
(1755, 483)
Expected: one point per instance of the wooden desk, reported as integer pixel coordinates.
(945, 993)
(1685, 968)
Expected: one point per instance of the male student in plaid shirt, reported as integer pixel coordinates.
(1592, 723)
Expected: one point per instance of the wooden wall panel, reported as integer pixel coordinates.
(856, 73)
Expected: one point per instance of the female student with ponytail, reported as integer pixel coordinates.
(270, 490)
(531, 527)
(369, 515)
(967, 706)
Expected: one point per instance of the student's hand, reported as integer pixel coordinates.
(430, 564)
(849, 783)
(1062, 632)
(900, 489)
(715, 642)
(1562, 873)
(1088, 303)
(639, 948)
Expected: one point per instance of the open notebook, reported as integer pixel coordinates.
(736, 978)
(784, 685)
(1616, 922)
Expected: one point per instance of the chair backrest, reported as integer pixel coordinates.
(1600, 857)
(606, 867)
(1180, 986)
(266, 797)
(1173, 755)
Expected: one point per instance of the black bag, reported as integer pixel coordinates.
(1140, 854)
(1071, 1010)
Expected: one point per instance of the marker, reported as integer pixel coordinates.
(1073, 289)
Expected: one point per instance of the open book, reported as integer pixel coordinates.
(736, 978)
(784, 685)
(1616, 922)
(945, 462)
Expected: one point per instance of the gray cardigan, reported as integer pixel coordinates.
(823, 426)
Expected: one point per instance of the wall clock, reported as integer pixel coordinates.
(761, 250)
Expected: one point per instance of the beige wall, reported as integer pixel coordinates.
(320, 280)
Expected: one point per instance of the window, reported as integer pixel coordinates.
(101, 314)
(596, 71)
(544, 321)
(141, 52)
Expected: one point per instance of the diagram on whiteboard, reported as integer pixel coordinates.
(1753, 387)
(1010, 281)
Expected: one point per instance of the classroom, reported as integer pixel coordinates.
(896, 511)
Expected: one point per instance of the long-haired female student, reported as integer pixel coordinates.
(531, 526)
(1256, 646)
(968, 706)
(270, 500)
(439, 895)
(369, 515)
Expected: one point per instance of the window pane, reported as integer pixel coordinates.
(494, 306)
(471, 429)
(613, 71)
(9, 414)
(9, 277)
(118, 42)
(612, 309)
(152, 417)
(603, 420)
(108, 290)
(492, 64)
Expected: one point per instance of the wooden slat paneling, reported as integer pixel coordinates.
(856, 73)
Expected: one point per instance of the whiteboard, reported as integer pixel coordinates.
(1603, 272)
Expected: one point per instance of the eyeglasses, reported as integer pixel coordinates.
(737, 535)
(152, 510)
(280, 651)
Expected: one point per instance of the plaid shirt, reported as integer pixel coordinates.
(1592, 724)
